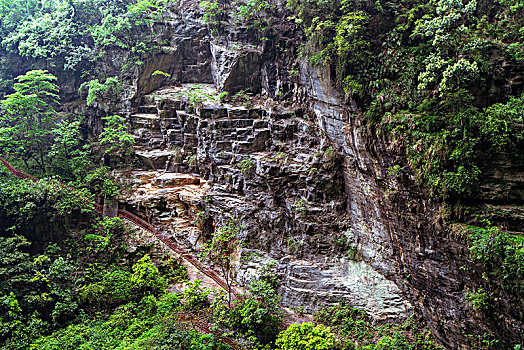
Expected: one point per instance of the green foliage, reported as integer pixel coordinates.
(146, 277)
(502, 256)
(14, 12)
(21, 201)
(197, 96)
(246, 165)
(243, 98)
(213, 11)
(479, 299)
(105, 230)
(53, 293)
(101, 183)
(337, 33)
(32, 131)
(196, 296)
(147, 324)
(257, 315)
(68, 157)
(115, 136)
(97, 90)
(448, 30)
(252, 12)
(351, 323)
(421, 66)
(73, 35)
(28, 116)
(113, 31)
(482, 341)
(301, 205)
(444, 149)
(46, 32)
(221, 248)
(306, 336)
(499, 124)
(223, 96)
(113, 286)
(148, 10)
(159, 72)
(354, 330)
(15, 264)
(173, 270)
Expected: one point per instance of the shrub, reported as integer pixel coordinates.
(501, 254)
(306, 336)
(195, 296)
(146, 278)
(257, 315)
(97, 90)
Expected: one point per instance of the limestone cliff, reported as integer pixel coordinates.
(307, 178)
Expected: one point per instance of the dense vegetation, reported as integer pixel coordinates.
(439, 79)
(74, 37)
(440, 89)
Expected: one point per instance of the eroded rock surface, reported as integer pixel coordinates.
(277, 171)
(311, 185)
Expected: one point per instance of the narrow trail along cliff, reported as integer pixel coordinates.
(364, 159)
(195, 321)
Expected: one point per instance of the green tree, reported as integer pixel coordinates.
(28, 117)
(306, 336)
(257, 314)
(46, 35)
(220, 250)
(146, 278)
(68, 157)
(448, 30)
(115, 136)
(148, 12)
(15, 265)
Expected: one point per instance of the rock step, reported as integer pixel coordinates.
(170, 123)
(145, 120)
(213, 112)
(175, 180)
(170, 104)
(147, 133)
(144, 116)
(232, 123)
(147, 109)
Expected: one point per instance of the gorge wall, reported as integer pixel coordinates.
(310, 183)
(303, 174)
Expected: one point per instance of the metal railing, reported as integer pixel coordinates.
(18, 173)
(202, 325)
(124, 214)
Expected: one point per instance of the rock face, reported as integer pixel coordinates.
(276, 170)
(236, 69)
(307, 180)
(400, 230)
(186, 59)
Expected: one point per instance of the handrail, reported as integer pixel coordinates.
(176, 248)
(18, 173)
(167, 241)
(204, 326)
